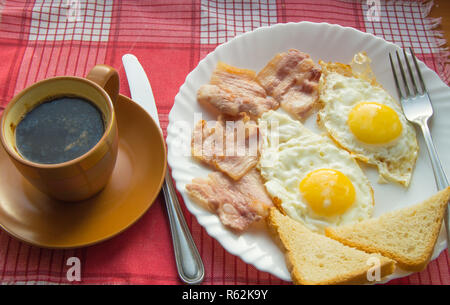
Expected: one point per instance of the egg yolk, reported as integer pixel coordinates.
(328, 192)
(374, 123)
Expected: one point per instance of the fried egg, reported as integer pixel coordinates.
(309, 176)
(365, 120)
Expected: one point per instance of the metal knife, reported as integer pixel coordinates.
(189, 263)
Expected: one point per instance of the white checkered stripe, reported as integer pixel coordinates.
(2, 5)
(221, 20)
(402, 23)
(71, 20)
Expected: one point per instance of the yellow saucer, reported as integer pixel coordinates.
(34, 218)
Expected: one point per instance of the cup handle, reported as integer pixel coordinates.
(107, 78)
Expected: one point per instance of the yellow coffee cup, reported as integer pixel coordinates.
(86, 175)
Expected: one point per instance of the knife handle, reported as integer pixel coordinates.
(189, 263)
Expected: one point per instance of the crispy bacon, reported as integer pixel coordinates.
(232, 91)
(237, 203)
(292, 79)
(231, 147)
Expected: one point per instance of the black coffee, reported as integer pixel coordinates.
(59, 130)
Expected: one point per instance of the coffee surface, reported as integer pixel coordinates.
(59, 130)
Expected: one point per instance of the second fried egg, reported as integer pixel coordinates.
(365, 120)
(313, 180)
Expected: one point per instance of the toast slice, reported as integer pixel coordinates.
(314, 259)
(407, 235)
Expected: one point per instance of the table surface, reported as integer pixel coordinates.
(442, 9)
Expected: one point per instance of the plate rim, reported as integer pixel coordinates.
(205, 59)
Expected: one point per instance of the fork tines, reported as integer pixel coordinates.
(412, 79)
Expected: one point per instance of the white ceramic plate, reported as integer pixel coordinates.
(253, 50)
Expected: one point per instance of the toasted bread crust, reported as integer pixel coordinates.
(359, 276)
(346, 235)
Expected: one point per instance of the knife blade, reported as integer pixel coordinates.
(189, 263)
(140, 89)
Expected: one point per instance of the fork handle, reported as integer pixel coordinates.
(439, 174)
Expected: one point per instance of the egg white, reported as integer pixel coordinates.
(339, 94)
(289, 152)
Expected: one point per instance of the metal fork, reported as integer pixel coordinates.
(416, 105)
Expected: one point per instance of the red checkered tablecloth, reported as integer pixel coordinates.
(40, 39)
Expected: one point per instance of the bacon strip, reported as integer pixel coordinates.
(231, 147)
(292, 79)
(237, 203)
(233, 90)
